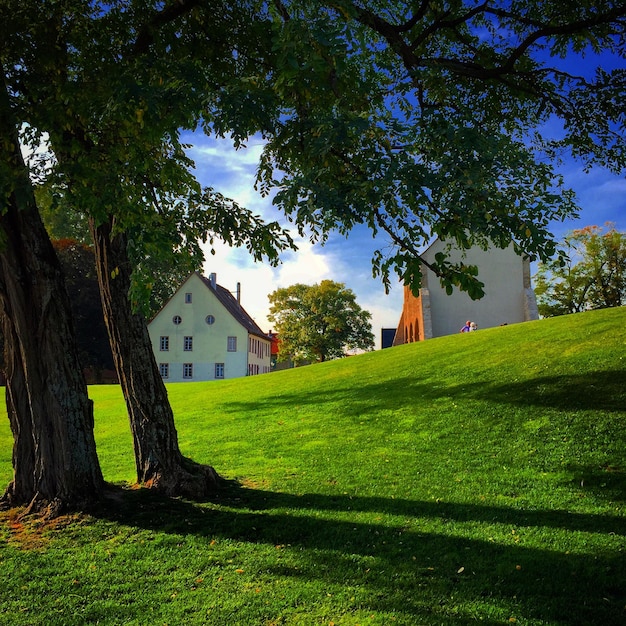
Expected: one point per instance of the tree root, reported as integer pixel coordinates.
(43, 507)
(190, 480)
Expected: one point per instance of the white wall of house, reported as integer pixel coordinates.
(208, 343)
(506, 291)
(259, 355)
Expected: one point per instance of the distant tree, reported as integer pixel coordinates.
(78, 263)
(61, 223)
(591, 274)
(156, 274)
(605, 261)
(319, 322)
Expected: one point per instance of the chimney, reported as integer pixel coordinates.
(213, 280)
(239, 294)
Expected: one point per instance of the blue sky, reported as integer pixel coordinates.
(601, 195)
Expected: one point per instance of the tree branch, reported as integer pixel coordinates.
(403, 243)
(441, 23)
(145, 35)
(282, 10)
(419, 14)
(545, 31)
(392, 34)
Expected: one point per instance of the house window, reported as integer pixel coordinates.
(188, 298)
(164, 343)
(232, 344)
(188, 344)
(209, 320)
(164, 369)
(177, 319)
(219, 370)
(187, 370)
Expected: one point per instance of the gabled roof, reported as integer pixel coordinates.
(231, 304)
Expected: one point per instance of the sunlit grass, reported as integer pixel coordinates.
(476, 477)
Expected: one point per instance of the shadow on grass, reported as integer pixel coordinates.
(601, 481)
(423, 576)
(597, 391)
(259, 500)
(600, 390)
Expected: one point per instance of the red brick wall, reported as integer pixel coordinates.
(410, 328)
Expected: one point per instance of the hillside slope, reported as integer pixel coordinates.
(477, 477)
(513, 386)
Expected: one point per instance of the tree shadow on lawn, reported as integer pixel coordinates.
(423, 577)
(596, 391)
(608, 482)
(601, 390)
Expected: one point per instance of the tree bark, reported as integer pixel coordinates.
(17, 405)
(54, 455)
(159, 462)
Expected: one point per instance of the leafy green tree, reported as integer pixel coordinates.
(605, 260)
(591, 275)
(319, 322)
(424, 132)
(111, 88)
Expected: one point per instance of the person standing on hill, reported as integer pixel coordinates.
(466, 328)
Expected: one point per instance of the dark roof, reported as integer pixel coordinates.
(233, 307)
(386, 337)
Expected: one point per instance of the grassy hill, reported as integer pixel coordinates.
(477, 477)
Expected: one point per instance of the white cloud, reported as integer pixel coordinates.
(231, 172)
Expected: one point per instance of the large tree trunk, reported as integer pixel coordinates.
(54, 456)
(17, 405)
(159, 462)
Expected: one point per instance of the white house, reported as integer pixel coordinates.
(203, 333)
(509, 297)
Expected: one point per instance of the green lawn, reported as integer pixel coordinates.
(473, 478)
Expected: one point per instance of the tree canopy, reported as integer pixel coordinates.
(319, 322)
(429, 119)
(419, 120)
(592, 274)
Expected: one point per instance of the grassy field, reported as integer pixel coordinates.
(472, 478)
